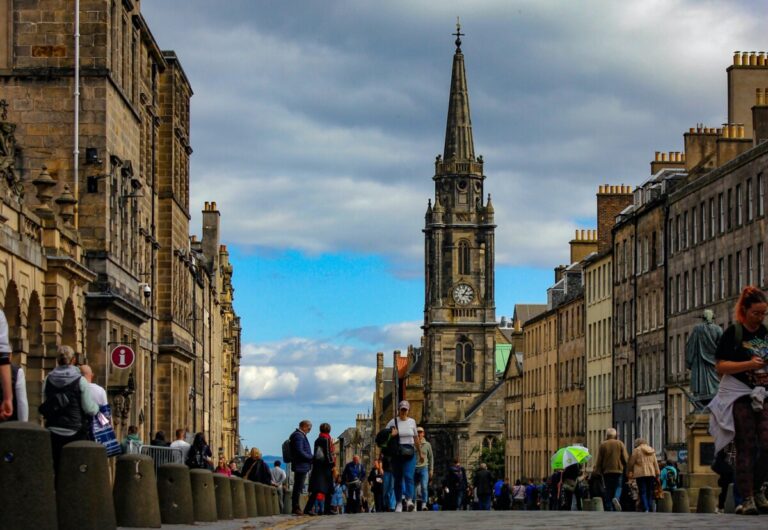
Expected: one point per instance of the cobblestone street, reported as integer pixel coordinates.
(511, 519)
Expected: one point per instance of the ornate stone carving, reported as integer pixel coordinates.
(8, 154)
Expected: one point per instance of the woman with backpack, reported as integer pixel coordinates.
(736, 416)
(199, 455)
(404, 462)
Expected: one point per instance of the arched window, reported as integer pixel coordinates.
(464, 257)
(465, 362)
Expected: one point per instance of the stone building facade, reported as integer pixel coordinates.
(599, 373)
(145, 284)
(571, 371)
(540, 396)
(598, 289)
(623, 326)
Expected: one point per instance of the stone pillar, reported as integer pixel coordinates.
(223, 496)
(26, 476)
(135, 492)
(680, 501)
(707, 502)
(174, 490)
(203, 496)
(83, 488)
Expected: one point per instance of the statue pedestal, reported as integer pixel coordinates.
(701, 454)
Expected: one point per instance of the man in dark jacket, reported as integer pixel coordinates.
(353, 476)
(301, 461)
(483, 483)
(68, 405)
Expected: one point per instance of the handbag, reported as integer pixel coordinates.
(319, 454)
(403, 450)
(658, 492)
(103, 433)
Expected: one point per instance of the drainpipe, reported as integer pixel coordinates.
(152, 261)
(76, 95)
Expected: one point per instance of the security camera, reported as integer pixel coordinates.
(146, 289)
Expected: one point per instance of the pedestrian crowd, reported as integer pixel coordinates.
(401, 478)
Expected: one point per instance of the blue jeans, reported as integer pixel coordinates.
(403, 468)
(612, 490)
(646, 486)
(421, 478)
(389, 492)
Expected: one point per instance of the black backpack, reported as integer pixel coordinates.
(196, 459)
(386, 442)
(287, 452)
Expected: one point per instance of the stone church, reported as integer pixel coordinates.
(463, 396)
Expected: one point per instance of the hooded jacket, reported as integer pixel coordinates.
(70, 420)
(642, 462)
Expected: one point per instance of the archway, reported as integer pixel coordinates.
(12, 309)
(69, 326)
(35, 370)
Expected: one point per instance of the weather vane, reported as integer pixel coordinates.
(458, 35)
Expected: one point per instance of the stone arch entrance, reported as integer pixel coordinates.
(12, 309)
(69, 326)
(36, 363)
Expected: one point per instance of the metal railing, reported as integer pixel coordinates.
(163, 455)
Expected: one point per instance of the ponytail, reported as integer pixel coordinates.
(749, 295)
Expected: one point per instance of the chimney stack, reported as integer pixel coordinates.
(760, 116)
(611, 200)
(211, 234)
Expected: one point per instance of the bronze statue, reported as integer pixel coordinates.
(700, 357)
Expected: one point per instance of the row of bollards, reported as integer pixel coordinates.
(84, 499)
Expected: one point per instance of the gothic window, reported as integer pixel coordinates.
(465, 361)
(464, 262)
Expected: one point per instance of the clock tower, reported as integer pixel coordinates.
(459, 308)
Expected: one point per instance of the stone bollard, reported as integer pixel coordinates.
(223, 496)
(174, 490)
(287, 502)
(595, 504)
(26, 476)
(730, 502)
(275, 500)
(664, 505)
(237, 490)
(135, 492)
(261, 499)
(707, 502)
(203, 496)
(83, 488)
(250, 498)
(680, 502)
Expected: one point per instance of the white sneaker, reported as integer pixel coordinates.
(424, 507)
(399, 507)
(409, 506)
(616, 504)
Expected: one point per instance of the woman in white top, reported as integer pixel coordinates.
(404, 463)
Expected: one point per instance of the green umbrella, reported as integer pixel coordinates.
(573, 454)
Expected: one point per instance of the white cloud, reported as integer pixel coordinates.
(266, 382)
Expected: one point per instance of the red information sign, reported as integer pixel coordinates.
(123, 356)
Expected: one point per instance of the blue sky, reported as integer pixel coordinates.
(315, 126)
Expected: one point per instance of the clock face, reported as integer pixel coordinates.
(463, 294)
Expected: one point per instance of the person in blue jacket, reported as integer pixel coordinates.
(301, 461)
(353, 476)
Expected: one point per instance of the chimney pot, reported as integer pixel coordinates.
(740, 130)
(761, 59)
(752, 58)
(657, 156)
(737, 58)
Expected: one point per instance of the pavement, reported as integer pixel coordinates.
(494, 520)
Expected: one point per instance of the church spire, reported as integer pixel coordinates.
(459, 144)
